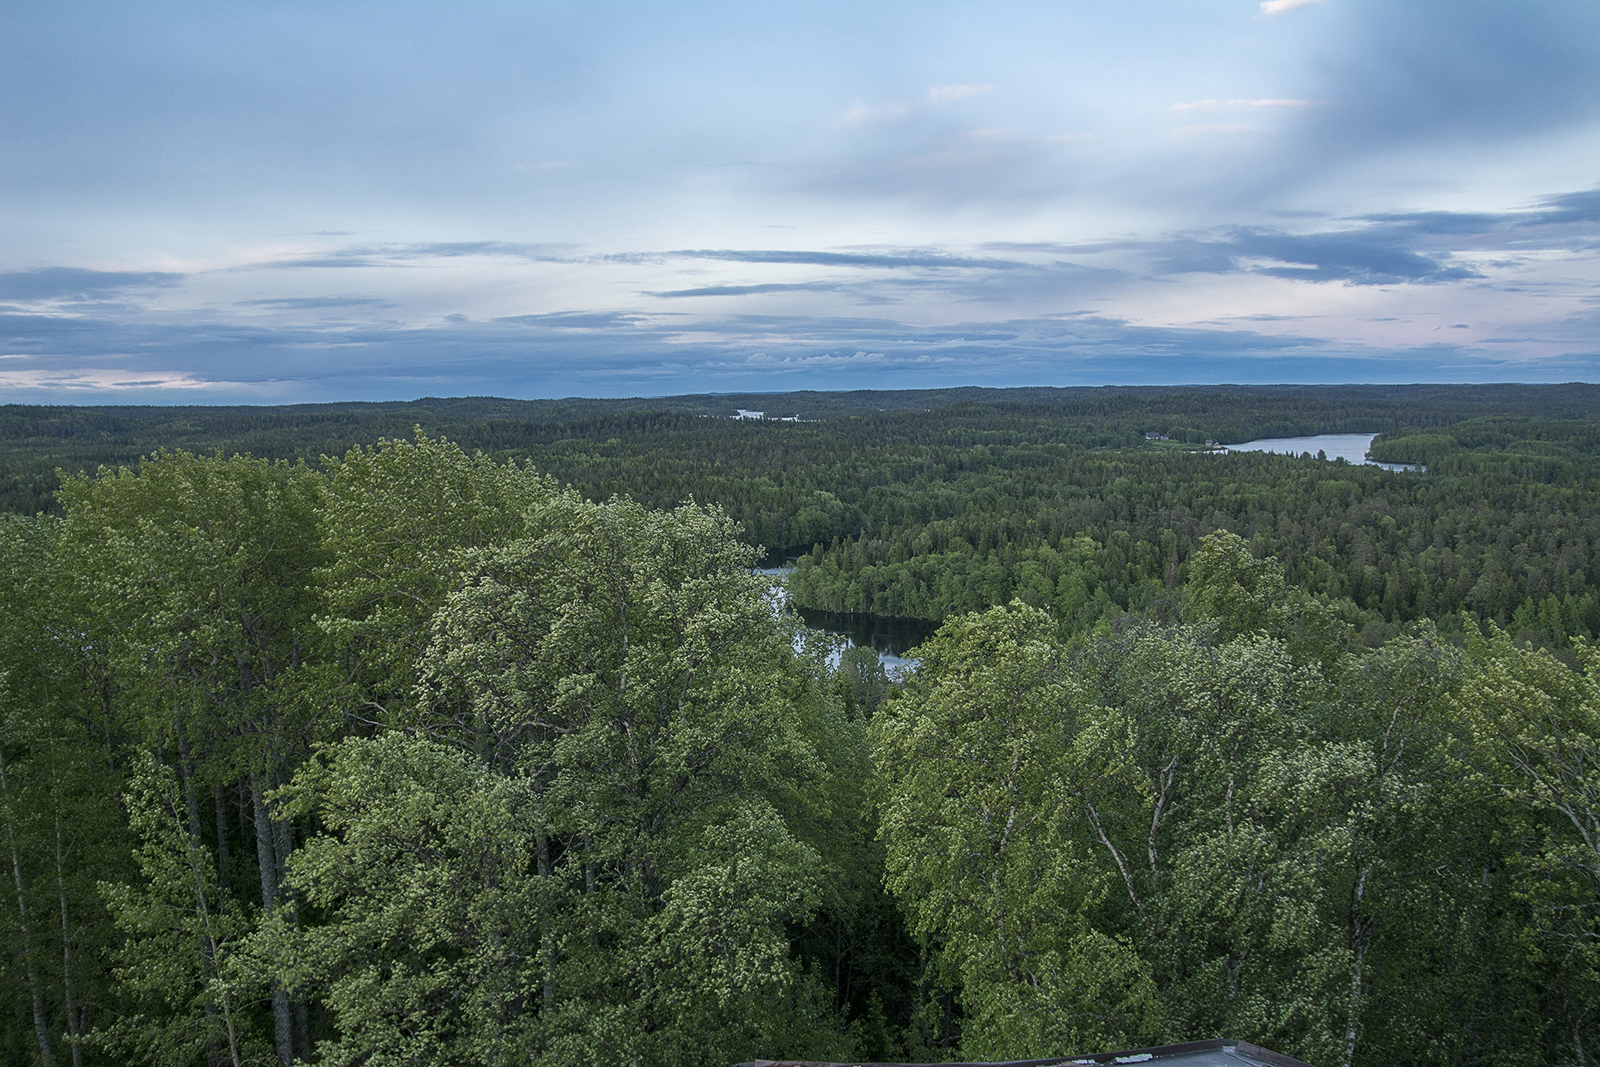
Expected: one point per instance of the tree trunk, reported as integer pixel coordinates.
(41, 1028)
(547, 949)
(186, 768)
(1360, 938)
(282, 1024)
(74, 1022)
(191, 803)
(282, 848)
(222, 839)
(213, 951)
(1575, 1020)
(588, 890)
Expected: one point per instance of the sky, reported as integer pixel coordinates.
(265, 202)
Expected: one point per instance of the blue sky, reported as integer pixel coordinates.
(214, 202)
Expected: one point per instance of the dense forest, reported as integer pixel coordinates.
(932, 503)
(466, 731)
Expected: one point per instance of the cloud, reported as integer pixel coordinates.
(761, 361)
(1045, 283)
(1370, 256)
(994, 313)
(577, 320)
(99, 381)
(307, 303)
(1571, 207)
(908, 258)
(74, 283)
(1485, 80)
(1208, 129)
(1018, 282)
(1569, 222)
(346, 261)
(1278, 7)
(750, 290)
(537, 253)
(1221, 105)
(394, 255)
(862, 112)
(1377, 249)
(943, 94)
(618, 353)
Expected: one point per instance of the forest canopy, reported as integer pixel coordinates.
(424, 753)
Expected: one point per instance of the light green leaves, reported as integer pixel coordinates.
(588, 848)
(421, 876)
(182, 936)
(991, 753)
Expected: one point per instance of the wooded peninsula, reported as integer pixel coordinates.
(469, 731)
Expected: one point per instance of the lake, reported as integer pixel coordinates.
(891, 638)
(1351, 447)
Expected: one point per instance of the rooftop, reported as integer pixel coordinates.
(1216, 1052)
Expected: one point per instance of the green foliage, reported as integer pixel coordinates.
(59, 808)
(196, 573)
(181, 938)
(592, 862)
(983, 759)
(945, 501)
(863, 682)
(396, 524)
(427, 757)
(419, 881)
(1228, 585)
(1310, 855)
(1535, 723)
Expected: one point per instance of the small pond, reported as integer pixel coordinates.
(890, 637)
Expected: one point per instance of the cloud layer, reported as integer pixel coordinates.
(348, 201)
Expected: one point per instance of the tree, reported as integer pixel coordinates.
(198, 571)
(63, 827)
(626, 722)
(1227, 835)
(983, 761)
(399, 520)
(1535, 723)
(420, 878)
(181, 936)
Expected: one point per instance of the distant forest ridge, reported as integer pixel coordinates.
(37, 440)
(932, 503)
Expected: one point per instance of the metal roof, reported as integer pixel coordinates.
(1216, 1052)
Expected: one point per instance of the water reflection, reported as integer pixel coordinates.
(1350, 447)
(890, 637)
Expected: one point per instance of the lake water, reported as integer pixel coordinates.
(1352, 447)
(891, 638)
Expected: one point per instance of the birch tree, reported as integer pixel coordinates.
(992, 750)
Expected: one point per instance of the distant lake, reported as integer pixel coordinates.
(1351, 447)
